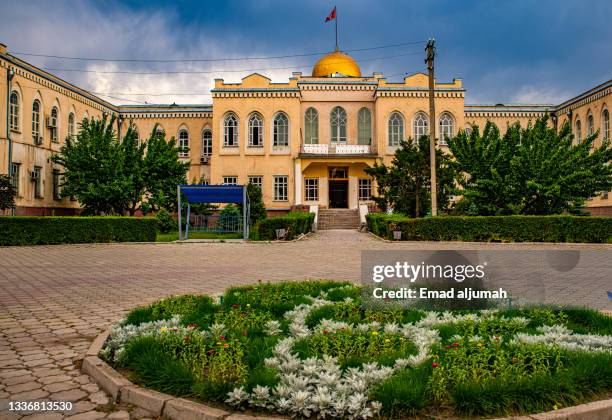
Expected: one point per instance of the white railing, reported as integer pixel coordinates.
(337, 149)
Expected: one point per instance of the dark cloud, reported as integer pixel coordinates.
(519, 51)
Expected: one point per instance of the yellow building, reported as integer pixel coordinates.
(305, 142)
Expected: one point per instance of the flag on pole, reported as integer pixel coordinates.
(331, 16)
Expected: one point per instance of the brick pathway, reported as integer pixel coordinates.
(55, 299)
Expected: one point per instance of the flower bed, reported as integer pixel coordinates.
(308, 349)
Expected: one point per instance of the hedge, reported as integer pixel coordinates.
(495, 228)
(74, 230)
(295, 222)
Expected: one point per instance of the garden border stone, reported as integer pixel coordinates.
(174, 408)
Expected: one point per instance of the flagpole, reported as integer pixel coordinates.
(336, 19)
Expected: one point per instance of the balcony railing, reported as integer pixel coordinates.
(337, 149)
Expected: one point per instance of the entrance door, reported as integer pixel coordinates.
(338, 194)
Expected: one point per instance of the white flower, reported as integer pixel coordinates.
(217, 329)
(273, 327)
(237, 397)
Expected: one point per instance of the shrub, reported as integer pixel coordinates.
(165, 221)
(295, 223)
(495, 228)
(47, 230)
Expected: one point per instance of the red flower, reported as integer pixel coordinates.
(435, 364)
(225, 345)
(325, 331)
(455, 344)
(234, 306)
(192, 326)
(222, 337)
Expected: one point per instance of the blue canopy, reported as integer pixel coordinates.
(213, 193)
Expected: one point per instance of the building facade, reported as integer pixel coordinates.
(305, 142)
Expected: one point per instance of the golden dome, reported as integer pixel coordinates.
(336, 62)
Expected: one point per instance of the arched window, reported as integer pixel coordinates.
(364, 126)
(255, 130)
(590, 125)
(230, 131)
(281, 130)
(54, 125)
(338, 125)
(420, 127)
(605, 124)
(159, 131)
(14, 111)
(206, 143)
(396, 129)
(578, 132)
(311, 126)
(36, 121)
(71, 126)
(183, 143)
(447, 124)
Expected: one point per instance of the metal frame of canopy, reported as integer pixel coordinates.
(234, 194)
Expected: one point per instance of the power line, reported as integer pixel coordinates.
(185, 93)
(142, 73)
(273, 57)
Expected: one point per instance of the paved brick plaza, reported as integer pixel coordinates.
(55, 299)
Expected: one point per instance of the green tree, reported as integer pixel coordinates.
(163, 171)
(109, 176)
(405, 186)
(7, 193)
(133, 169)
(257, 208)
(93, 168)
(535, 170)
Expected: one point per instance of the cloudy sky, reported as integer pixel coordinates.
(537, 51)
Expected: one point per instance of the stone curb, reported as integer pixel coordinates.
(576, 244)
(173, 408)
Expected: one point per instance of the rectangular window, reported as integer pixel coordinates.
(365, 189)
(37, 179)
(311, 189)
(338, 173)
(281, 192)
(230, 180)
(256, 180)
(56, 185)
(16, 168)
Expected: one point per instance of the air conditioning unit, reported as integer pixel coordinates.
(51, 122)
(34, 175)
(38, 140)
(204, 160)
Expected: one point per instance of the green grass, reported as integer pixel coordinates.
(404, 393)
(173, 236)
(489, 376)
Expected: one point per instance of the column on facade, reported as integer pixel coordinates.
(298, 182)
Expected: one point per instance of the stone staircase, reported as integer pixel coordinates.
(338, 219)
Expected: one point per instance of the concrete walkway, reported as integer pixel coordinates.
(54, 300)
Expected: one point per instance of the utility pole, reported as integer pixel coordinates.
(430, 49)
